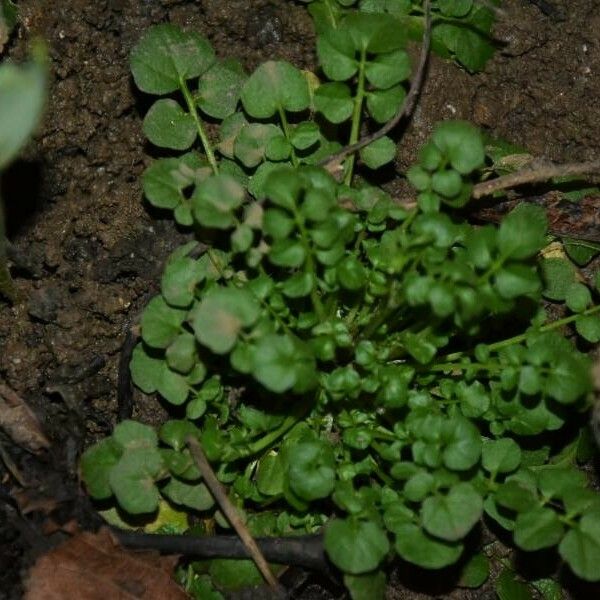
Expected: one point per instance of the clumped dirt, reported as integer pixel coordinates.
(88, 251)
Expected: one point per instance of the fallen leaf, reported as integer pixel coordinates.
(92, 566)
(19, 422)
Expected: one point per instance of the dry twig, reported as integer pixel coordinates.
(220, 495)
(532, 174)
(332, 163)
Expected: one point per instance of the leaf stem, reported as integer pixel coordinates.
(189, 100)
(356, 114)
(517, 339)
(286, 130)
(310, 266)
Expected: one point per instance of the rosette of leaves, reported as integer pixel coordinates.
(384, 390)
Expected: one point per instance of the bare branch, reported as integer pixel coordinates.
(533, 174)
(220, 495)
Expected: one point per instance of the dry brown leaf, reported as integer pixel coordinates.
(19, 422)
(93, 566)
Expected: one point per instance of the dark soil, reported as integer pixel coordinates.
(88, 251)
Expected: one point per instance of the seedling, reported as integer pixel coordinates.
(345, 361)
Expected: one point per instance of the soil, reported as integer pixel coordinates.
(88, 251)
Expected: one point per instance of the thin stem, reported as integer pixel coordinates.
(210, 155)
(356, 114)
(517, 339)
(310, 267)
(286, 130)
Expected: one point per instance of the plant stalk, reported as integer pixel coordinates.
(356, 115)
(189, 100)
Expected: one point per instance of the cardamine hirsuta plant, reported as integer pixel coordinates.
(382, 371)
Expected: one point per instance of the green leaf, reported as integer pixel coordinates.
(452, 516)
(569, 378)
(311, 469)
(374, 33)
(251, 143)
(181, 353)
(558, 275)
(304, 135)
(287, 253)
(222, 314)
(278, 363)
(500, 456)
(417, 547)
(580, 548)
(538, 528)
(370, 586)
(588, 327)
(179, 281)
(334, 101)
(165, 55)
(351, 273)
(161, 323)
(463, 445)
(132, 480)
(274, 86)
(96, 464)
(461, 142)
(167, 125)
(578, 297)
(419, 347)
(228, 132)
(232, 575)
(191, 495)
(299, 285)
(516, 495)
(378, 153)
(270, 475)
(508, 588)
(175, 431)
(354, 546)
(516, 280)
(220, 87)
(522, 233)
(165, 180)
(215, 199)
(455, 8)
(386, 70)
(278, 223)
(22, 98)
(384, 104)
(475, 572)
(335, 50)
(448, 183)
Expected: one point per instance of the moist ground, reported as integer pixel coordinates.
(88, 251)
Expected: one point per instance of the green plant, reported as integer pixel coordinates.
(22, 96)
(345, 361)
(461, 28)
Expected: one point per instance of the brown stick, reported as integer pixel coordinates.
(534, 174)
(332, 162)
(220, 495)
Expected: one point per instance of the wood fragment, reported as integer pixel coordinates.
(535, 173)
